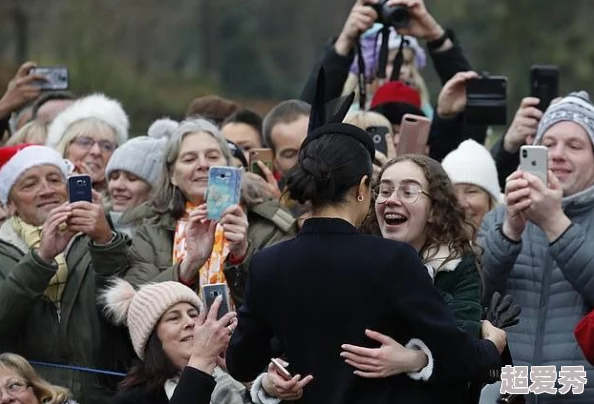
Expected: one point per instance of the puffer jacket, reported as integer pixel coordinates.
(151, 254)
(554, 284)
(77, 336)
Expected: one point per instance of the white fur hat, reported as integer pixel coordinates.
(471, 163)
(141, 310)
(96, 106)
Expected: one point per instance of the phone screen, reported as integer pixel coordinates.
(56, 78)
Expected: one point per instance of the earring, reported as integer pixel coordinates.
(360, 198)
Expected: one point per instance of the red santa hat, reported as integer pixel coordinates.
(15, 160)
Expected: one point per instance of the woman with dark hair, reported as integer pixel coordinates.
(368, 283)
(177, 342)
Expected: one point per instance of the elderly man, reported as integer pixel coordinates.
(539, 247)
(49, 255)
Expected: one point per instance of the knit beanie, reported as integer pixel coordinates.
(471, 163)
(143, 155)
(395, 99)
(15, 160)
(576, 107)
(96, 106)
(141, 310)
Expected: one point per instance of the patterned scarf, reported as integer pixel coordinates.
(212, 270)
(32, 237)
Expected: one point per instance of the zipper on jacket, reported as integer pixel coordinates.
(542, 314)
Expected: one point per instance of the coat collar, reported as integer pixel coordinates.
(437, 262)
(8, 235)
(580, 202)
(327, 225)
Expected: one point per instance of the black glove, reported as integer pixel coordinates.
(503, 312)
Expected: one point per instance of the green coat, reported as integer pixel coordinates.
(151, 254)
(79, 335)
(460, 284)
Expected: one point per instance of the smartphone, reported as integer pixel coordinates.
(414, 134)
(378, 135)
(265, 156)
(224, 189)
(211, 292)
(544, 84)
(486, 101)
(535, 160)
(281, 369)
(56, 78)
(80, 188)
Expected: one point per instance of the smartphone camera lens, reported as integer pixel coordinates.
(524, 153)
(80, 183)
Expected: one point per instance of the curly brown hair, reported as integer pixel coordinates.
(448, 226)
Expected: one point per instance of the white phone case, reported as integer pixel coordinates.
(535, 160)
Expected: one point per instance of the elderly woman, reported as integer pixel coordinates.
(53, 256)
(87, 133)
(132, 171)
(474, 175)
(21, 384)
(176, 243)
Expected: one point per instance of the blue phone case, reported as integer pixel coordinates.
(80, 188)
(224, 189)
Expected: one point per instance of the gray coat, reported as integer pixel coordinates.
(554, 284)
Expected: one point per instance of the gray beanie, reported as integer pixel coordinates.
(143, 155)
(576, 107)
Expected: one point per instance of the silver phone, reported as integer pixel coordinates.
(535, 160)
(214, 290)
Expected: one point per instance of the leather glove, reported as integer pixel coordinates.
(503, 312)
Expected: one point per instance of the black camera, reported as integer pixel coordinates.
(395, 16)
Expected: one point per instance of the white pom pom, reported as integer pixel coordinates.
(163, 128)
(116, 300)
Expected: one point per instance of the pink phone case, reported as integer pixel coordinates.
(414, 134)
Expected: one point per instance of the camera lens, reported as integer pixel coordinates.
(524, 153)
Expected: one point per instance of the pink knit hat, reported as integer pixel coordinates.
(141, 310)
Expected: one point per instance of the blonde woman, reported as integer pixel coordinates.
(33, 132)
(21, 384)
(87, 133)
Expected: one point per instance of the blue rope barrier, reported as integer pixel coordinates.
(77, 368)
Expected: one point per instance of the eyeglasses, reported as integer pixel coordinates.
(15, 388)
(407, 193)
(87, 143)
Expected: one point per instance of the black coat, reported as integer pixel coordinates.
(194, 387)
(323, 289)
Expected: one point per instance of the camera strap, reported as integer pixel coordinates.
(361, 78)
(383, 55)
(398, 60)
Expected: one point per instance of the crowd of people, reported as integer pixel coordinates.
(371, 277)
